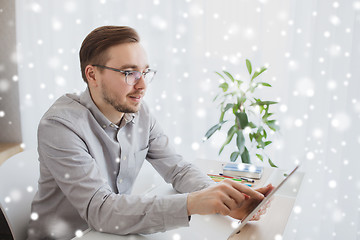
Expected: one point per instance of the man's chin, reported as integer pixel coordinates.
(129, 109)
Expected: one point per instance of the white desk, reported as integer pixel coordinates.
(216, 226)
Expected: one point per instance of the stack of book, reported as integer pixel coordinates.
(242, 170)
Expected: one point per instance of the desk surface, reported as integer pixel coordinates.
(7, 150)
(217, 226)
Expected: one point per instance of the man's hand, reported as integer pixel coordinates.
(227, 197)
(249, 204)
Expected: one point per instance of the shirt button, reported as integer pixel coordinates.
(104, 126)
(120, 181)
(124, 158)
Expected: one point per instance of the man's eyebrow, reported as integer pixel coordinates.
(132, 66)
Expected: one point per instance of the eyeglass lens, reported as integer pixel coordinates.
(133, 77)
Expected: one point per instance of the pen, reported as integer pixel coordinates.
(219, 178)
(242, 178)
(247, 179)
(212, 176)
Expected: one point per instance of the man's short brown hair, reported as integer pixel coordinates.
(94, 47)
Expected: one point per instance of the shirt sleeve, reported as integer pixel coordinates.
(184, 176)
(76, 173)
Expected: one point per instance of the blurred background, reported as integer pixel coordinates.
(311, 49)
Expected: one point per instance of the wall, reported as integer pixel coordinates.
(10, 130)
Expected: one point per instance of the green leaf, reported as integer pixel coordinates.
(229, 76)
(243, 119)
(266, 115)
(248, 65)
(230, 135)
(268, 102)
(220, 75)
(234, 156)
(245, 157)
(262, 103)
(264, 134)
(251, 136)
(271, 124)
(255, 75)
(265, 84)
(271, 163)
(213, 129)
(268, 143)
(252, 125)
(224, 86)
(228, 106)
(263, 69)
(239, 82)
(240, 141)
(260, 157)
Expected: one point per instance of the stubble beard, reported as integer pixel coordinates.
(110, 99)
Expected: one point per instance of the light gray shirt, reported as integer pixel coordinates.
(88, 166)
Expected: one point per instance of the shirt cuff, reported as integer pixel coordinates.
(177, 216)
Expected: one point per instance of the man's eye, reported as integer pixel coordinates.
(128, 73)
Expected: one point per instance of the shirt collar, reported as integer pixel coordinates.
(86, 100)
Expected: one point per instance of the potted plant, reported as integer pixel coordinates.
(249, 116)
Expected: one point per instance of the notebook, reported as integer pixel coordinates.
(262, 203)
(242, 170)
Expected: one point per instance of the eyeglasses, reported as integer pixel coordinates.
(133, 77)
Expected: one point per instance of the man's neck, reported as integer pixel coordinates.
(109, 112)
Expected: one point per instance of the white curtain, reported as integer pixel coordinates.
(312, 48)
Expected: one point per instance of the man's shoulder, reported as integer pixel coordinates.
(67, 108)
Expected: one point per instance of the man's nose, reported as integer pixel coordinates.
(141, 84)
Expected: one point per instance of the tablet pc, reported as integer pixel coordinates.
(262, 203)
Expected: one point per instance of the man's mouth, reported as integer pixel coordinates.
(136, 97)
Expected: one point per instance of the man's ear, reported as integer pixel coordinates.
(91, 75)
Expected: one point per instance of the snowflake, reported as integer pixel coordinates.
(4, 85)
(70, 6)
(159, 23)
(334, 20)
(56, 24)
(176, 236)
(35, 7)
(356, 5)
(195, 146)
(278, 237)
(310, 155)
(79, 233)
(341, 122)
(177, 140)
(201, 113)
(297, 209)
(60, 81)
(34, 216)
(332, 184)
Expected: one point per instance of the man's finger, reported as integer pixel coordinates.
(248, 191)
(265, 190)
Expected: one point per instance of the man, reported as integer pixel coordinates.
(92, 146)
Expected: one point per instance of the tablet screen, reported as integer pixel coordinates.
(262, 203)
